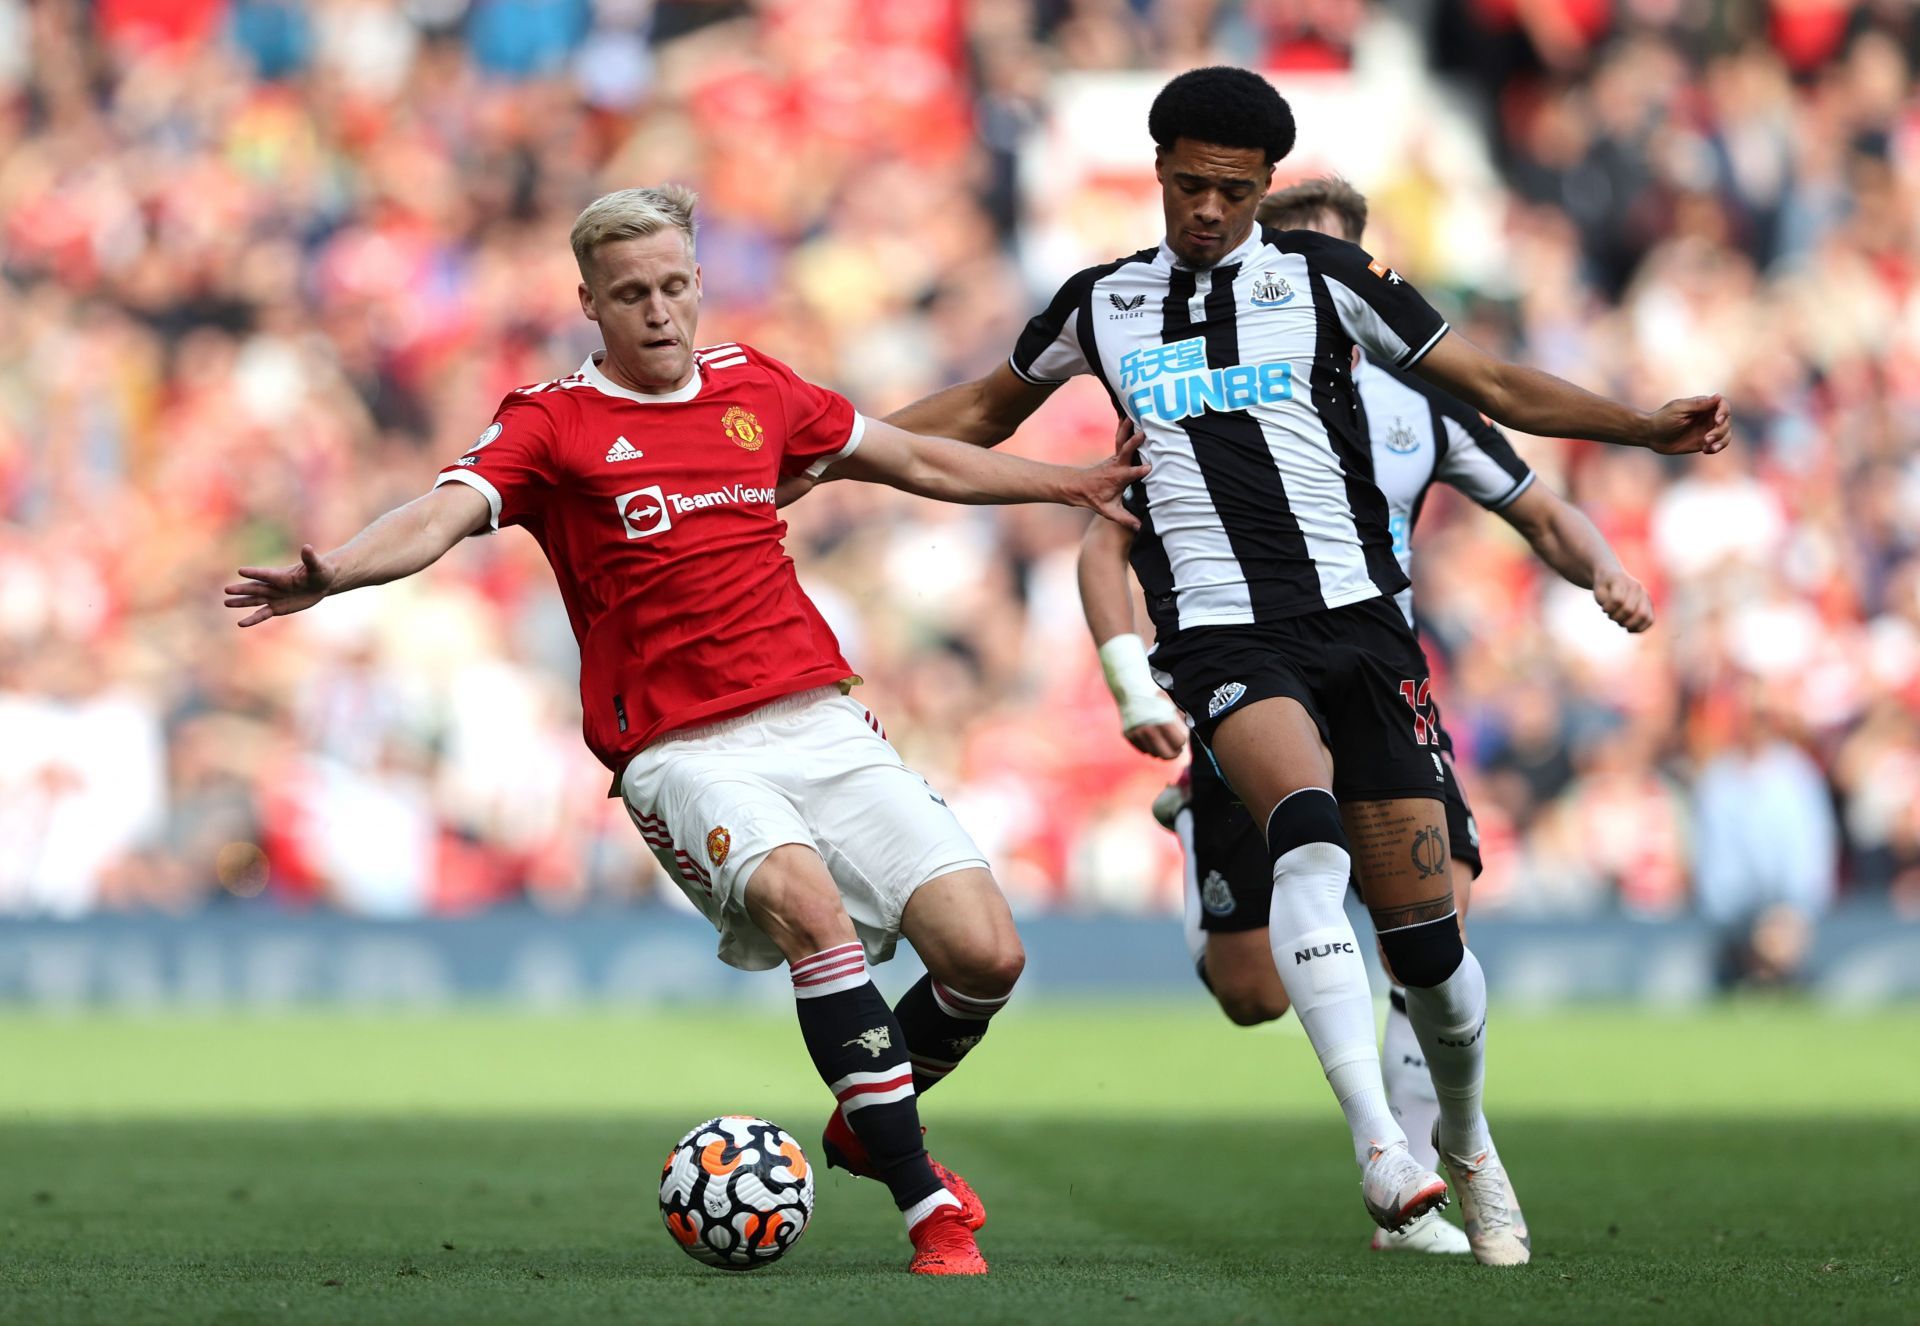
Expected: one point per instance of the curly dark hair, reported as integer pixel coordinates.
(1224, 105)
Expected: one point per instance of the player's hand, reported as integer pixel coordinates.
(278, 591)
(1163, 741)
(1692, 423)
(1101, 486)
(1624, 599)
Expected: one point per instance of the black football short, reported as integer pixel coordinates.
(1226, 852)
(1357, 670)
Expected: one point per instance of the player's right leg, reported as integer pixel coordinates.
(1273, 754)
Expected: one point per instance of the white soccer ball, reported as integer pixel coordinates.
(736, 1192)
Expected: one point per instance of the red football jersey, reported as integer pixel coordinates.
(657, 515)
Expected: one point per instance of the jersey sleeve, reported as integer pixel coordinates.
(1377, 306)
(1048, 351)
(1476, 458)
(822, 425)
(510, 464)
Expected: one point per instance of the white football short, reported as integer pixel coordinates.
(814, 769)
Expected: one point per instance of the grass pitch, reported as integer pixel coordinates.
(1140, 1165)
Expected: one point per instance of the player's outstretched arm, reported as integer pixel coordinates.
(1147, 717)
(405, 540)
(949, 471)
(982, 413)
(1567, 541)
(1536, 402)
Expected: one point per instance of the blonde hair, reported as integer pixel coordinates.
(1303, 203)
(633, 214)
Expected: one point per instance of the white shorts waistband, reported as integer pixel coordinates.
(786, 704)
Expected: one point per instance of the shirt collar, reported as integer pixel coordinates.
(600, 382)
(1238, 257)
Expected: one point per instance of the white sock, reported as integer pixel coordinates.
(1190, 867)
(1326, 980)
(1409, 1088)
(927, 1205)
(1451, 1022)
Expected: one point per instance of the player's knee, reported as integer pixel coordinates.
(988, 971)
(1251, 1007)
(1305, 831)
(793, 899)
(1423, 955)
(1246, 993)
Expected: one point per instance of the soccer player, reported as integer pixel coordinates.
(1268, 565)
(714, 690)
(1419, 436)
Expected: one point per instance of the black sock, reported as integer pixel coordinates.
(941, 1026)
(861, 1055)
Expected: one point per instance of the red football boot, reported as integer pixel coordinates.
(943, 1245)
(845, 1151)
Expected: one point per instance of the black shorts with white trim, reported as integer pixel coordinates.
(1357, 670)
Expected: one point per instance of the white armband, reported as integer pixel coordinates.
(1124, 660)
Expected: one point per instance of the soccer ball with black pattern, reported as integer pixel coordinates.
(736, 1192)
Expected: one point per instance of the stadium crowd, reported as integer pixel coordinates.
(265, 266)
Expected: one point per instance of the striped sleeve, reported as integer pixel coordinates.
(1376, 305)
(1475, 457)
(1048, 351)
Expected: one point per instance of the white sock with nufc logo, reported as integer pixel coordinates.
(1451, 1021)
(1320, 962)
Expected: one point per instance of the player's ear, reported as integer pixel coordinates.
(586, 302)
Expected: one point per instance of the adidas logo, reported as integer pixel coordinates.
(623, 450)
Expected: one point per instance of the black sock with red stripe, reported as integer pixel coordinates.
(860, 1053)
(941, 1026)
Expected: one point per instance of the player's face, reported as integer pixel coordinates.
(645, 294)
(1210, 194)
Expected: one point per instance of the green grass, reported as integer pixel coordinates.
(1142, 1165)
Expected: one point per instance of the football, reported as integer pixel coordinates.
(736, 1192)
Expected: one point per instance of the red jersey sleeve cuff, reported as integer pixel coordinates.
(820, 467)
(481, 486)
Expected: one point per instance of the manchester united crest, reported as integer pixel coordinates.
(719, 842)
(743, 427)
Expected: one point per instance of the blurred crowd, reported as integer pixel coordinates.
(266, 266)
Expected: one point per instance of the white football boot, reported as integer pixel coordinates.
(1430, 1233)
(1398, 1189)
(1489, 1208)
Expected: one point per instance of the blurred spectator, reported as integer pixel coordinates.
(1764, 827)
(264, 265)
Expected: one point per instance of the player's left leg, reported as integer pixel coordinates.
(1402, 1061)
(960, 926)
(905, 866)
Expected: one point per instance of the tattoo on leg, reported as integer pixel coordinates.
(1373, 836)
(1414, 913)
(1429, 852)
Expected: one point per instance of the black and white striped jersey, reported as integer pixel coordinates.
(1422, 436)
(1261, 504)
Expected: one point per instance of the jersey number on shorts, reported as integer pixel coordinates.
(1417, 695)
